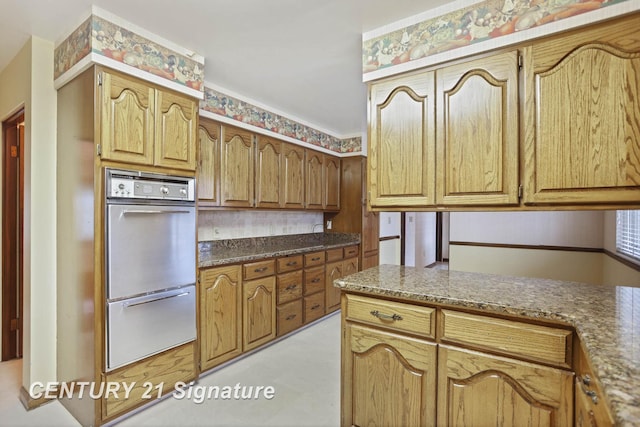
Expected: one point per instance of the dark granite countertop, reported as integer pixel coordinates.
(230, 251)
(606, 318)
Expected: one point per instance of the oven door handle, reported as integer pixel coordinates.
(163, 211)
(128, 305)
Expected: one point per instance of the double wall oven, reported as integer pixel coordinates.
(150, 240)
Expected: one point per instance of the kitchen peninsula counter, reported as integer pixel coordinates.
(230, 251)
(606, 318)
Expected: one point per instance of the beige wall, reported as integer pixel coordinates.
(28, 81)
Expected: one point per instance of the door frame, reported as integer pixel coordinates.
(12, 236)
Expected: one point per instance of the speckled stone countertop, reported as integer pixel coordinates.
(606, 318)
(230, 251)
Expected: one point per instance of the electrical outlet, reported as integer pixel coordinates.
(329, 225)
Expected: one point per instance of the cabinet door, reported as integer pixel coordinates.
(315, 187)
(209, 162)
(475, 389)
(402, 142)
(236, 167)
(332, 183)
(220, 319)
(176, 129)
(387, 379)
(332, 294)
(583, 117)
(349, 266)
(127, 119)
(477, 136)
(268, 166)
(259, 312)
(292, 176)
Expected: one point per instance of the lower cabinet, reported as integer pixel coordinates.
(258, 312)
(336, 270)
(390, 379)
(400, 366)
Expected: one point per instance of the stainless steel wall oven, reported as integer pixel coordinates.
(150, 240)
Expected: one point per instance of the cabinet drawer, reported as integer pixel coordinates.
(289, 317)
(259, 269)
(289, 286)
(313, 307)
(289, 263)
(351, 251)
(334, 254)
(313, 280)
(390, 314)
(534, 342)
(314, 258)
(165, 369)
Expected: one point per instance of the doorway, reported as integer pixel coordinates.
(12, 235)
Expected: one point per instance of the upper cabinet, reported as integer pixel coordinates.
(209, 162)
(583, 116)
(314, 180)
(553, 122)
(332, 183)
(402, 142)
(477, 132)
(236, 167)
(268, 167)
(146, 125)
(292, 176)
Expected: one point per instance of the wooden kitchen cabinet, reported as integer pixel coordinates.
(220, 305)
(258, 312)
(208, 171)
(332, 183)
(336, 270)
(268, 172)
(314, 180)
(389, 379)
(477, 132)
(144, 124)
(582, 116)
(480, 389)
(292, 176)
(236, 167)
(402, 133)
(591, 407)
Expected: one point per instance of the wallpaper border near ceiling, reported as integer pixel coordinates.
(405, 45)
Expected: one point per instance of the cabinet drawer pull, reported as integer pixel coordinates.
(290, 287)
(379, 315)
(290, 317)
(315, 258)
(316, 280)
(260, 270)
(292, 263)
(315, 306)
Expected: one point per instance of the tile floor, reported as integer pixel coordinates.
(304, 370)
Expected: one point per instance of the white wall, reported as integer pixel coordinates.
(214, 225)
(28, 81)
(420, 239)
(389, 224)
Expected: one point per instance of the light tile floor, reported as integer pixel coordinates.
(304, 370)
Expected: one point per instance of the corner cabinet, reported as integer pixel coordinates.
(583, 116)
(144, 124)
(402, 142)
(477, 132)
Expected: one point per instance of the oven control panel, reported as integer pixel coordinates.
(142, 185)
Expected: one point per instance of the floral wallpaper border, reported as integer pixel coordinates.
(105, 38)
(227, 106)
(482, 21)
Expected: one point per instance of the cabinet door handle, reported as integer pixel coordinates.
(316, 280)
(292, 263)
(315, 306)
(379, 315)
(260, 270)
(290, 317)
(290, 287)
(315, 258)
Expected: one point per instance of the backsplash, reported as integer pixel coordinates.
(215, 225)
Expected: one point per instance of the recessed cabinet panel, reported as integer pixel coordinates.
(268, 166)
(209, 162)
(402, 142)
(477, 143)
(176, 123)
(236, 167)
(585, 117)
(127, 119)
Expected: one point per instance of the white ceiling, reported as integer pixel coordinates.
(299, 57)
